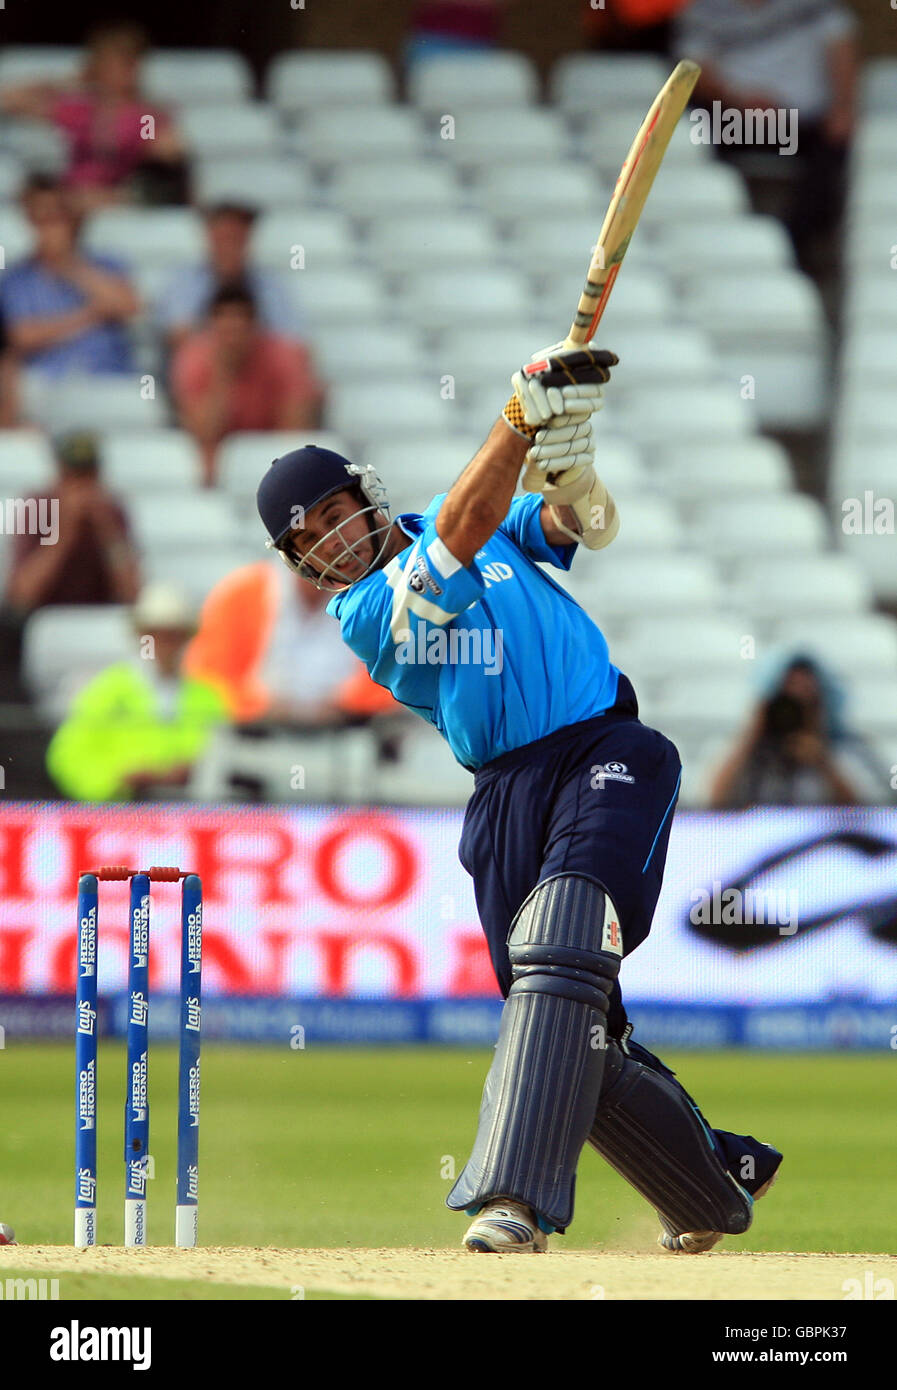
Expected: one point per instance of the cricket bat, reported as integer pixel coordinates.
(632, 188)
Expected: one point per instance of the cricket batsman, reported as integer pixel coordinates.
(565, 835)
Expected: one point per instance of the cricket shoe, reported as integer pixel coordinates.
(503, 1226)
(699, 1242)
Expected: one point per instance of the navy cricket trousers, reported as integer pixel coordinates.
(595, 798)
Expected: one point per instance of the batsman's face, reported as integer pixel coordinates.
(335, 540)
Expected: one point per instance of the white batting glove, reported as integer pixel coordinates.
(567, 442)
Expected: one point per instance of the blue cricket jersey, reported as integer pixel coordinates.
(494, 654)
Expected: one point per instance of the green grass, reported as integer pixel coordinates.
(115, 1287)
(351, 1147)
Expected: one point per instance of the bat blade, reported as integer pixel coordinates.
(632, 188)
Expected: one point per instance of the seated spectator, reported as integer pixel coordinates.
(65, 309)
(90, 558)
(10, 413)
(234, 375)
(795, 749)
(185, 303)
(139, 726)
(784, 54)
(112, 133)
(265, 639)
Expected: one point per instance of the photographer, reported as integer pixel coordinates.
(795, 750)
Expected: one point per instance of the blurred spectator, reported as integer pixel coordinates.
(138, 727)
(185, 302)
(65, 309)
(784, 54)
(112, 133)
(233, 375)
(9, 384)
(439, 27)
(796, 749)
(90, 558)
(265, 638)
(635, 26)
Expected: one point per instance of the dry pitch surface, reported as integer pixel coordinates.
(447, 1274)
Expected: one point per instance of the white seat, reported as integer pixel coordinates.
(296, 81)
(136, 461)
(687, 412)
(632, 584)
(872, 708)
(21, 64)
(456, 296)
(150, 236)
(435, 240)
(783, 308)
(873, 189)
(565, 188)
(245, 456)
(377, 187)
(487, 358)
(261, 183)
(414, 469)
(92, 402)
(875, 555)
(371, 350)
(746, 526)
(711, 702)
(866, 411)
(27, 463)
(427, 773)
(870, 301)
(580, 82)
(862, 464)
(40, 147)
(200, 518)
(486, 139)
(790, 386)
(360, 412)
(665, 351)
(226, 131)
(64, 646)
(196, 571)
(690, 194)
(448, 84)
(869, 240)
(698, 471)
(662, 647)
(865, 357)
(607, 134)
(12, 176)
(646, 523)
(542, 242)
(329, 296)
(731, 244)
(851, 643)
(341, 134)
(769, 589)
(309, 237)
(878, 85)
(193, 76)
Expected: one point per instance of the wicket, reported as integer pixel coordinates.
(136, 1151)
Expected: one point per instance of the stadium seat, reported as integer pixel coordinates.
(228, 131)
(336, 135)
(606, 135)
(196, 571)
(852, 643)
(360, 412)
(866, 412)
(878, 85)
(582, 82)
(200, 518)
(24, 63)
(64, 646)
(12, 176)
(134, 462)
(261, 183)
(488, 139)
(870, 301)
(771, 525)
(805, 584)
(328, 296)
(147, 236)
(303, 238)
(629, 584)
(732, 244)
(377, 188)
(565, 188)
(647, 522)
(422, 240)
(641, 298)
(861, 464)
(708, 413)
(93, 402)
(790, 386)
(698, 470)
(661, 353)
(484, 359)
(370, 351)
(544, 242)
(659, 648)
(296, 81)
(869, 240)
(708, 189)
(709, 703)
(865, 357)
(782, 308)
(427, 773)
(196, 76)
(26, 462)
(872, 706)
(40, 147)
(456, 297)
(415, 469)
(451, 83)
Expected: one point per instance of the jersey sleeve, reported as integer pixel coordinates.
(524, 527)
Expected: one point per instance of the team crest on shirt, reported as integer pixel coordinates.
(421, 578)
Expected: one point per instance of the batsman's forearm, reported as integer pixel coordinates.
(479, 501)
